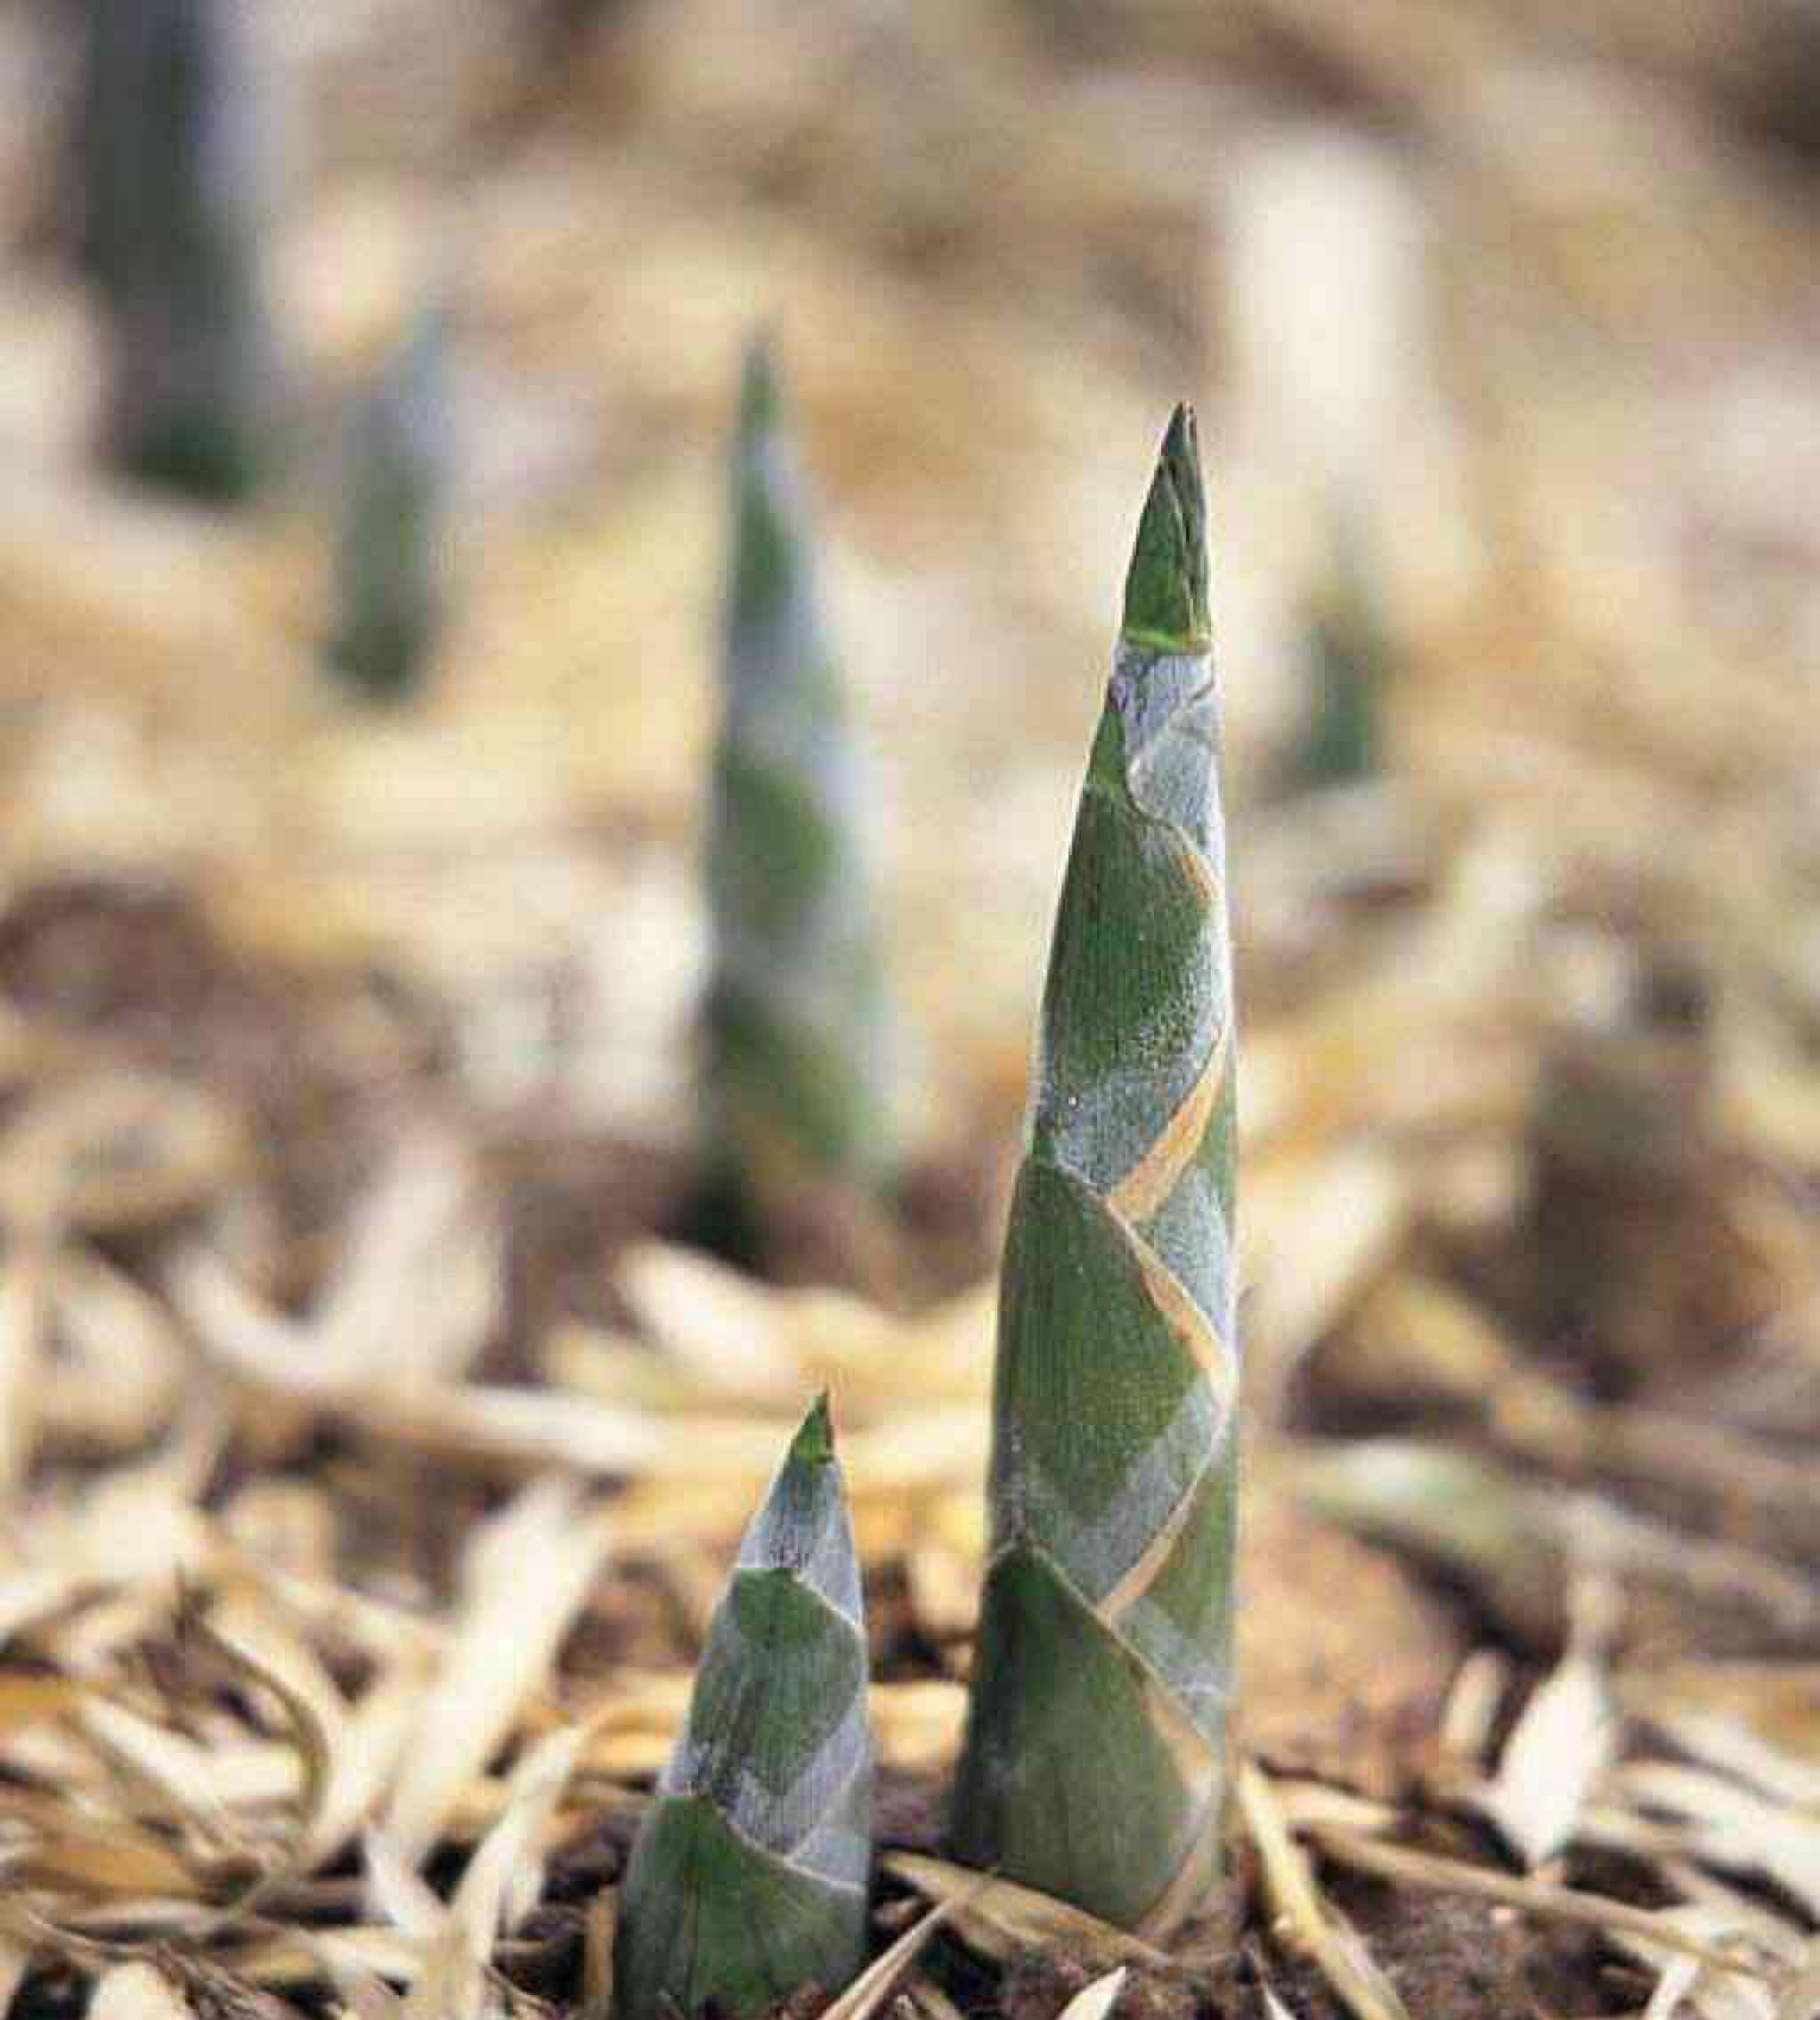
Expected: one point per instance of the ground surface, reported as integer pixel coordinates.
(369, 1451)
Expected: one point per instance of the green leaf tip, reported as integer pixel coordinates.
(814, 1443)
(1165, 587)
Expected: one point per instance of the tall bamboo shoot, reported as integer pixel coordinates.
(1093, 1764)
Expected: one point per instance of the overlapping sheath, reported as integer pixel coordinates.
(174, 194)
(796, 1019)
(748, 1877)
(1093, 1761)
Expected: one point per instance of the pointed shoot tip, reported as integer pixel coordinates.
(1165, 588)
(814, 1443)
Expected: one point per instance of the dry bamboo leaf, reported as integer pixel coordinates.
(253, 1652)
(1471, 1710)
(51, 1765)
(362, 1992)
(1735, 1828)
(397, 1892)
(533, 1431)
(528, 1573)
(999, 1918)
(597, 1955)
(1307, 1804)
(1687, 1984)
(100, 1633)
(137, 1991)
(1681, 1978)
(526, 1429)
(727, 1339)
(384, 1632)
(1519, 1543)
(941, 1448)
(30, 1696)
(1770, 1100)
(413, 1299)
(34, 1595)
(15, 1961)
(363, 1761)
(1777, 1702)
(600, 1366)
(1772, 1929)
(451, 1984)
(647, 1699)
(1415, 1338)
(505, 1877)
(253, 1341)
(1735, 1749)
(248, 1775)
(1799, 1997)
(106, 1858)
(1096, 2001)
(23, 1303)
(116, 1151)
(117, 1378)
(727, 1331)
(300, 1956)
(1556, 1753)
(632, 1756)
(1306, 1920)
(1318, 1231)
(929, 2001)
(416, 1286)
(879, 1979)
(1323, 1071)
(1426, 1869)
(31, 1051)
(176, 1772)
(139, 1527)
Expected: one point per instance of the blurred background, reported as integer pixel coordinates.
(1505, 322)
(1504, 328)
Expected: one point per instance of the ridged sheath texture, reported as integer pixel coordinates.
(796, 1020)
(392, 562)
(1094, 1765)
(748, 1879)
(172, 155)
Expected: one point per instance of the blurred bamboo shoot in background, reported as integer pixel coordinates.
(173, 144)
(797, 1026)
(391, 563)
